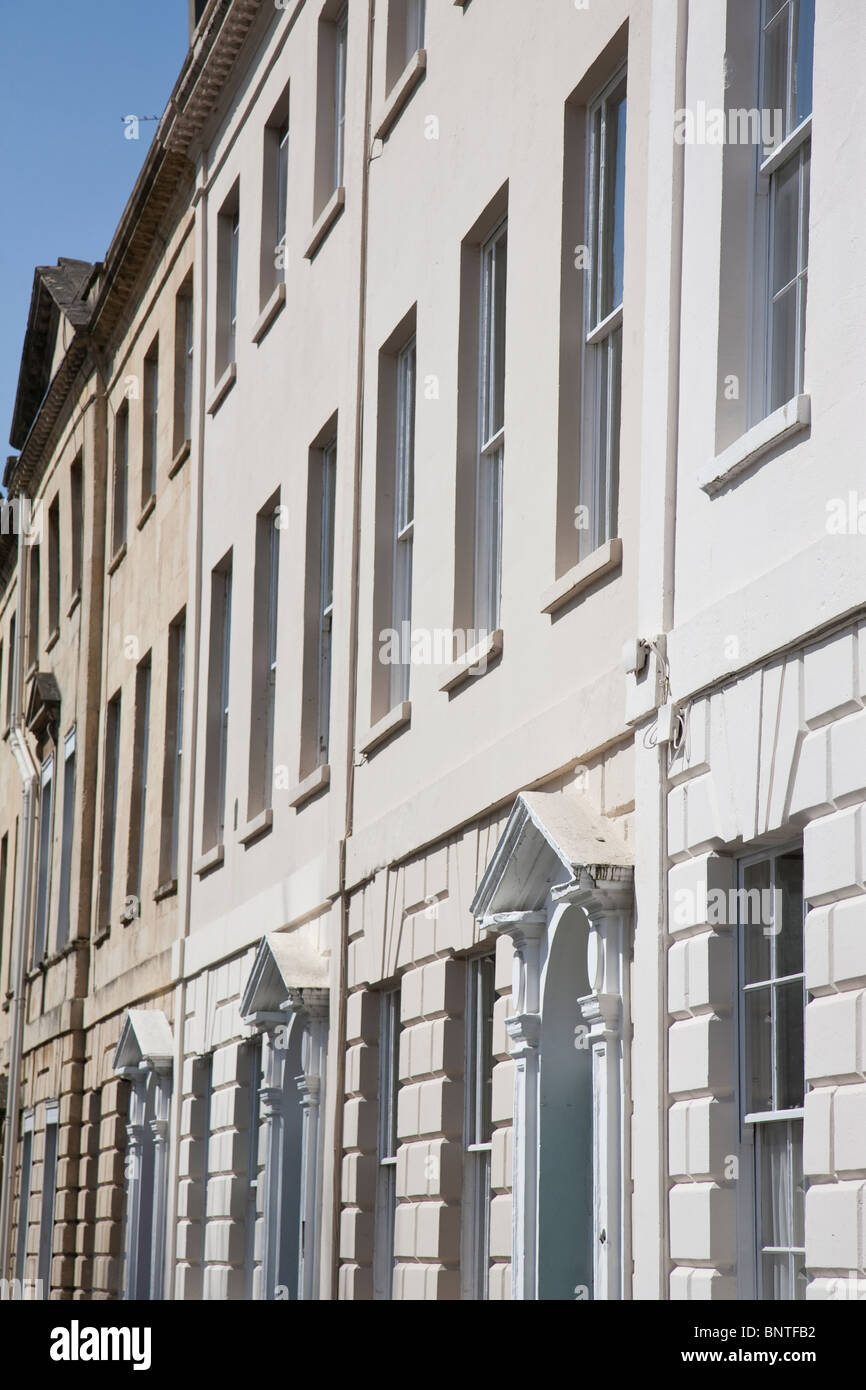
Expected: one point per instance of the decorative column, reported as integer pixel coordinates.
(524, 1031)
(311, 1006)
(606, 895)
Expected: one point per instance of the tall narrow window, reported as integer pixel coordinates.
(340, 96)
(784, 173)
(282, 197)
(141, 748)
(150, 453)
(121, 476)
(772, 1085)
(10, 671)
(228, 249)
(24, 1197)
(4, 871)
(254, 1090)
(68, 832)
(173, 764)
(206, 1071)
(404, 516)
(326, 589)
(43, 872)
(33, 614)
(76, 521)
(602, 365)
(386, 1191)
(478, 1129)
(416, 16)
(54, 566)
(491, 431)
(49, 1192)
(218, 704)
(183, 365)
(264, 657)
(109, 808)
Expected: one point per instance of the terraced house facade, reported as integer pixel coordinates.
(432, 856)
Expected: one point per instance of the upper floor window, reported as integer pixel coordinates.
(326, 595)
(264, 663)
(404, 515)
(228, 251)
(602, 362)
(54, 566)
(386, 1188)
(67, 834)
(43, 871)
(406, 26)
(121, 476)
(76, 521)
(331, 104)
(216, 760)
(772, 1085)
(173, 756)
(787, 42)
(138, 804)
(491, 431)
(110, 775)
(184, 353)
(151, 424)
(33, 606)
(275, 200)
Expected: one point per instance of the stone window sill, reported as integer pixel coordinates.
(146, 511)
(116, 559)
(74, 602)
(310, 786)
(211, 859)
(751, 447)
(52, 639)
(165, 890)
(325, 221)
(269, 313)
(397, 718)
(400, 93)
(259, 825)
(475, 662)
(604, 560)
(222, 388)
(180, 458)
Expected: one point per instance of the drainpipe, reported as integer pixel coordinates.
(23, 889)
(338, 1033)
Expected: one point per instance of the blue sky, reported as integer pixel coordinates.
(70, 70)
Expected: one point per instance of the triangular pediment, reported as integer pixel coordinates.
(551, 839)
(145, 1037)
(285, 962)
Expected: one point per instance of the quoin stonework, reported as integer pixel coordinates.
(433, 701)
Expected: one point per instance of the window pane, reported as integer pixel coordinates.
(759, 1054)
(613, 228)
(614, 414)
(781, 1188)
(789, 901)
(755, 907)
(804, 36)
(776, 66)
(497, 337)
(786, 224)
(785, 335)
(790, 1082)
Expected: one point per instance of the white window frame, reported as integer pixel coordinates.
(416, 24)
(772, 165)
(478, 1127)
(67, 839)
(178, 657)
(225, 671)
(387, 1144)
(189, 357)
(282, 135)
(491, 436)
(120, 497)
(326, 597)
(601, 389)
(232, 318)
(404, 511)
(340, 62)
(144, 675)
(42, 910)
(754, 1123)
(274, 533)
